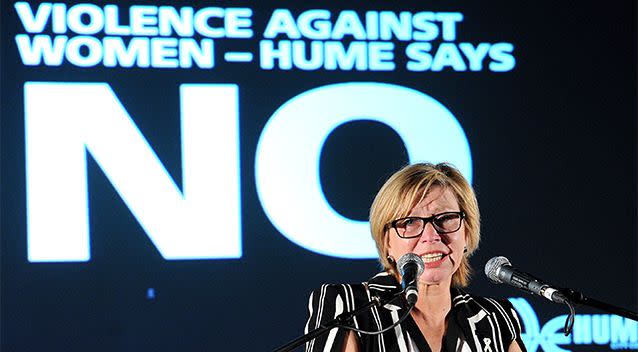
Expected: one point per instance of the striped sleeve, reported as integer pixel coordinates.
(325, 304)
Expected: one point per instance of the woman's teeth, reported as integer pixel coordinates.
(432, 257)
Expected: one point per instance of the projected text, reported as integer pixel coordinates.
(65, 121)
(164, 37)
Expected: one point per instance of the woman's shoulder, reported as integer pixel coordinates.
(487, 304)
(355, 293)
(330, 292)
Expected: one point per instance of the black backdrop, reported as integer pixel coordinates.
(553, 145)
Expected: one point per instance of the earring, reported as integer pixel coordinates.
(465, 250)
(390, 259)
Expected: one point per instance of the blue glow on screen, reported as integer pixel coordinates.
(616, 332)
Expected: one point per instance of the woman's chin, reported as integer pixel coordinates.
(435, 279)
(432, 282)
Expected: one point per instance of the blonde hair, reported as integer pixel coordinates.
(405, 189)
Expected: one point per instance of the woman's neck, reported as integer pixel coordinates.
(435, 301)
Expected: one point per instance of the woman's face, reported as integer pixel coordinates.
(441, 253)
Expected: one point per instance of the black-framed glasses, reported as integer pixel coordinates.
(443, 223)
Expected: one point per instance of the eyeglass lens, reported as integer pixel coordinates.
(443, 223)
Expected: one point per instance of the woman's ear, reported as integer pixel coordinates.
(466, 236)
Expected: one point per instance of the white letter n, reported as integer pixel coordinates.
(63, 121)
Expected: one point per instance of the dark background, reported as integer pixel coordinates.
(554, 153)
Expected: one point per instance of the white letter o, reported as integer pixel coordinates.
(287, 157)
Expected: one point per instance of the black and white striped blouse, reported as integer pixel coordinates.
(480, 324)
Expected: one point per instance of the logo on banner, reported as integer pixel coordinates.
(616, 332)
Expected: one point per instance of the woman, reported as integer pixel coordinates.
(429, 210)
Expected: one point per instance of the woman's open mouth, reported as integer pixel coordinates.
(433, 259)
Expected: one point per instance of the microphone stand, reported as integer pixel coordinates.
(342, 319)
(579, 298)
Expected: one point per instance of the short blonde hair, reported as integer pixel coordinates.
(405, 189)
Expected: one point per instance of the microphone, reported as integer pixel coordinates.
(411, 267)
(499, 270)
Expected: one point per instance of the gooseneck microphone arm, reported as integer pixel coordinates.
(579, 298)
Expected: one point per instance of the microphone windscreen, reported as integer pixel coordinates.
(492, 266)
(411, 258)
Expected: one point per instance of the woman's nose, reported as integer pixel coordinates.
(429, 234)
